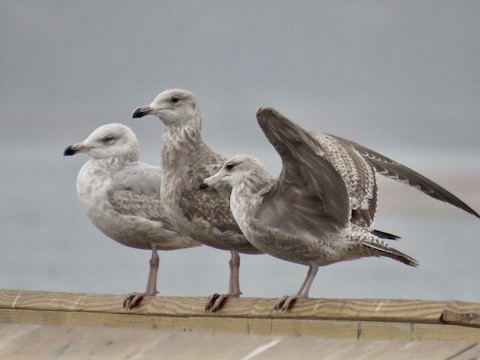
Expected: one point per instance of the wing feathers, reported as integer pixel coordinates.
(309, 189)
(399, 172)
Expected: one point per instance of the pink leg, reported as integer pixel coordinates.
(132, 300)
(216, 301)
(234, 282)
(285, 302)
(152, 274)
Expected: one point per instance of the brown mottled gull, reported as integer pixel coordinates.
(187, 160)
(121, 196)
(304, 216)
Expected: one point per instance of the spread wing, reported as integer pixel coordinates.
(310, 197)
(394, 170)
(358, 175)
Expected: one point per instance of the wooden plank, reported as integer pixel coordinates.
(338, 309)
(237, 325)
(460, 318)
(280, 327)
(22, 341)
(329, 318)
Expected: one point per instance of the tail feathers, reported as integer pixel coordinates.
(380, 249)
(385, 235)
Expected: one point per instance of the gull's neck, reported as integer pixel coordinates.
(251, 186)
(247, 195)
(184, 141)
(112, 163)
(100, 170)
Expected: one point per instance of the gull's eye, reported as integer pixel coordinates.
(108, 139)
(229, 167)
(174, 99)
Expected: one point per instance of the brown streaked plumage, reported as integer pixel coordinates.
(359, 177)
(396, 171)
(304, 216)
(358, 166)
(187, 160)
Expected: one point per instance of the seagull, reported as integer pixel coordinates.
(121, 197)
(305, 216)
(187, 160)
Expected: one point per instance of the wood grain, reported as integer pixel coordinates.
(24, 341)
(387, 319)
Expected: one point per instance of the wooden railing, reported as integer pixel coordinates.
(331, 318)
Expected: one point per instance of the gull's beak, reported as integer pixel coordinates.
(74, 149)
(141, 112)
(210, 182)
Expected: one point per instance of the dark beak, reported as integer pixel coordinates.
(75, 149)
(141, 112)
(69, 151)
(203, 186)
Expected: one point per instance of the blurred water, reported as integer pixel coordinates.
(48, 244)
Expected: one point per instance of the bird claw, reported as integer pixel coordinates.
(285, 302)
(216, 301)
(211, 301)
(132, 300)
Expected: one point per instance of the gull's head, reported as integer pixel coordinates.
(173, 107)
(235, 171)
(108, 141)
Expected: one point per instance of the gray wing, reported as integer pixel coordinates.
(140, 178)
(310, 196)
(394, 170)
(358, 174)
(136, 191)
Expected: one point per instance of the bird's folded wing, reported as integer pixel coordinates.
(135, 191)
(140, 178)
(211, 205)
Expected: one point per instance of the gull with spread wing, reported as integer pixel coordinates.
(307, 215)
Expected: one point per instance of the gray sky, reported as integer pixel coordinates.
(386, 73)
(401, 77)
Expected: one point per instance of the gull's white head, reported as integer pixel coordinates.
(108, 141)
(237, 170)
(173, 107)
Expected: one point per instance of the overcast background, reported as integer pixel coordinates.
(401, 77)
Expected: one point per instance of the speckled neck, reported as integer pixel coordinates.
(254, 182)
(110, 164)
(246, 195)
(182, 142)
